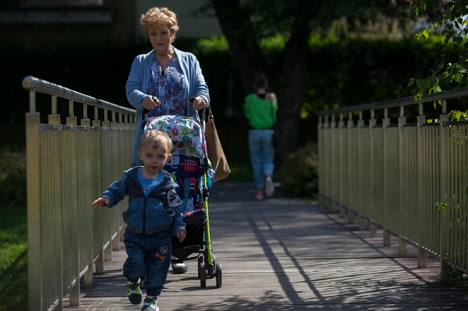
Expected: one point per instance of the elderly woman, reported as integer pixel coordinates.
(162, 81)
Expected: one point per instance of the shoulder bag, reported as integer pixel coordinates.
(215, 150)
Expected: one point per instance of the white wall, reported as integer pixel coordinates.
(189, 25)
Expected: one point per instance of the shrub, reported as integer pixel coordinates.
(12, 176)
(299, 175)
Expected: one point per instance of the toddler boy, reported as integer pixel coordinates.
(152, 217)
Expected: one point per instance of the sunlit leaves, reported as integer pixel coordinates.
(456, 115)
(451, 69)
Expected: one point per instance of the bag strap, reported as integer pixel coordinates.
(210, 114)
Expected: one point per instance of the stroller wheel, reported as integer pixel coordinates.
(202, 271)
(219, 275)
(200, 265)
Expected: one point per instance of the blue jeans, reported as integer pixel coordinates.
(150, 255)
(262, 154)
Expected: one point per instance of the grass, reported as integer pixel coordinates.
(13, 257)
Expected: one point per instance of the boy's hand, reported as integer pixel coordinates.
(180, 235)
(100, 202)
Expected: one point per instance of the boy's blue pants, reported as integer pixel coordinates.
(148, 255)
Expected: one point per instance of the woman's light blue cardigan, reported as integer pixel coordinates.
(137, 87)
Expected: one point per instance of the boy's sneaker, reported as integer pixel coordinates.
(179, 267)
(269, 187)
(151, 304)
(134, 292)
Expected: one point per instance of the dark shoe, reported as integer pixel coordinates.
(134, 292)
(179, 268)
(151, 304)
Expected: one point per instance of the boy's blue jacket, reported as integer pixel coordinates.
(159, 211)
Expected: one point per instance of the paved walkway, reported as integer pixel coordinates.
(288, 254)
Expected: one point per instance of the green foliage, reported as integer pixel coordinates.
(276, 42)
(299, 176)
(458, 277)
(12, 176)
(213, 44)
(13, 257)
(351, 72)
(456, 115)
(441, 205)
(450, 69)
(340, 72)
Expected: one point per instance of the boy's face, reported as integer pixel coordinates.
(153, 159)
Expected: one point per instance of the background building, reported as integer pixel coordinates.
(50, 23)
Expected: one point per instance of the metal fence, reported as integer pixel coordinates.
(387, 164)
(71, 159)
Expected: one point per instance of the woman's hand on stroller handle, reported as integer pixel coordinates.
(197, 102)
(201, 112)
(149, 102)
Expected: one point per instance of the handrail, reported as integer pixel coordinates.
(43, 86)
(405, 101)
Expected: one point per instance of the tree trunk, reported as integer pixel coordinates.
(240, 35)
(292, 93)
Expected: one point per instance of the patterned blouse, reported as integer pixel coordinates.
(169, 87)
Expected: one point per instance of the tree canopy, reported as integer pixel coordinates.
(448, 18)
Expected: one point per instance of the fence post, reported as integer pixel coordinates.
(74, 293)
(421, 253)
(373, 226)
(349, 180)
(401, 122)
(53, 205)
(342, 179)
(444, 192)
(360, 125)
(33, 143)
(333, 167)
(385, 124)
(320, 159)
(325, 159)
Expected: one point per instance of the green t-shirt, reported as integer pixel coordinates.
(260, 112)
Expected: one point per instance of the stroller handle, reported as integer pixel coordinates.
(201, 113)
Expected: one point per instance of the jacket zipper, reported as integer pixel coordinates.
(144, 205)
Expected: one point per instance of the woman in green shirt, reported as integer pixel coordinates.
(260, 108)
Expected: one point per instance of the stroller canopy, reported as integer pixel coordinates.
(186, 133)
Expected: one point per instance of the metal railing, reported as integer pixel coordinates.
(70, 160)
(396, 174)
